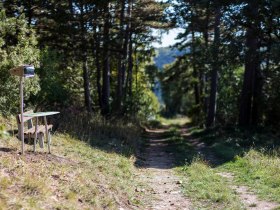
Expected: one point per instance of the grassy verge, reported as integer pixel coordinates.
(251, 156)
(75, 176)
(207, 189)
(260, 171)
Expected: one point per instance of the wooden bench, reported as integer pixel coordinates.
(30, 130)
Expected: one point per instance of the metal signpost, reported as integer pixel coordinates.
(23, 71)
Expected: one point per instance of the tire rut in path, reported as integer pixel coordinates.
(165, 185)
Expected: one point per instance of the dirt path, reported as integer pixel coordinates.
(247, 197)
(165, 185)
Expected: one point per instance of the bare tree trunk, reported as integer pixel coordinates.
(206, 40)
(88, 102)
(121, 60)
(195, 73)
(106, 64)
(214, 72)
(251, 69)
(128, 51)
(130, 66)
(29, 12)
(96, 52)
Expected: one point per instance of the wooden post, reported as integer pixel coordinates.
(47, 134)
(36, 135)
(21, 115)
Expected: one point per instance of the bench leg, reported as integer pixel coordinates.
(41, 140)
(35, 137)
(50, 137)
(47, 134)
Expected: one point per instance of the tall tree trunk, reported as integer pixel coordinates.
(96, 52)
(252, 66)
(206, 40)
(128, 52)
(106, 64)
(121, 60)
(215, 69)
(88, 102)
(257, 97)
(195, 73)
(29, 12)
(130, 66)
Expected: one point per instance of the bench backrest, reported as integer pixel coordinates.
(25, 119)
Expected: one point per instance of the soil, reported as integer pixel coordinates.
(165, 186)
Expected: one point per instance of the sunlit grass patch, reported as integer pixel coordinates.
(207, 188)
(260, 170)
(179, 121)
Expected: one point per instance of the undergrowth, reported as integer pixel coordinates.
(118, 135)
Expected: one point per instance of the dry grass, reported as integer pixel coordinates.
(119, 135)
(74, 176)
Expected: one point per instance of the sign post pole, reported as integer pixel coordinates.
(21, 115)
(22, 71)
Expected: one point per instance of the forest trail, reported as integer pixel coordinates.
(164, 186)
(158, 174)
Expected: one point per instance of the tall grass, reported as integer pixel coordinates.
(120, 135)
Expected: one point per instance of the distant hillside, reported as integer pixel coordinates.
(165, 55)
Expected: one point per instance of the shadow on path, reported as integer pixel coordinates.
(156, 169)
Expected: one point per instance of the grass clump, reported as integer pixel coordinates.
(207, 188)
(260, 170)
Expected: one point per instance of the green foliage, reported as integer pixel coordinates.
(230, 84)
(148, 104)
(209, 45)
(175, 81)
(17, 47)
(152, 72)
(3, 132)
(53, 80)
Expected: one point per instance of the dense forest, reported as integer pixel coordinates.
(96, 56)
(230, 73)
(89, 55)
(118, 124)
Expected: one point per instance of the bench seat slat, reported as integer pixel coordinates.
(41, 129)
